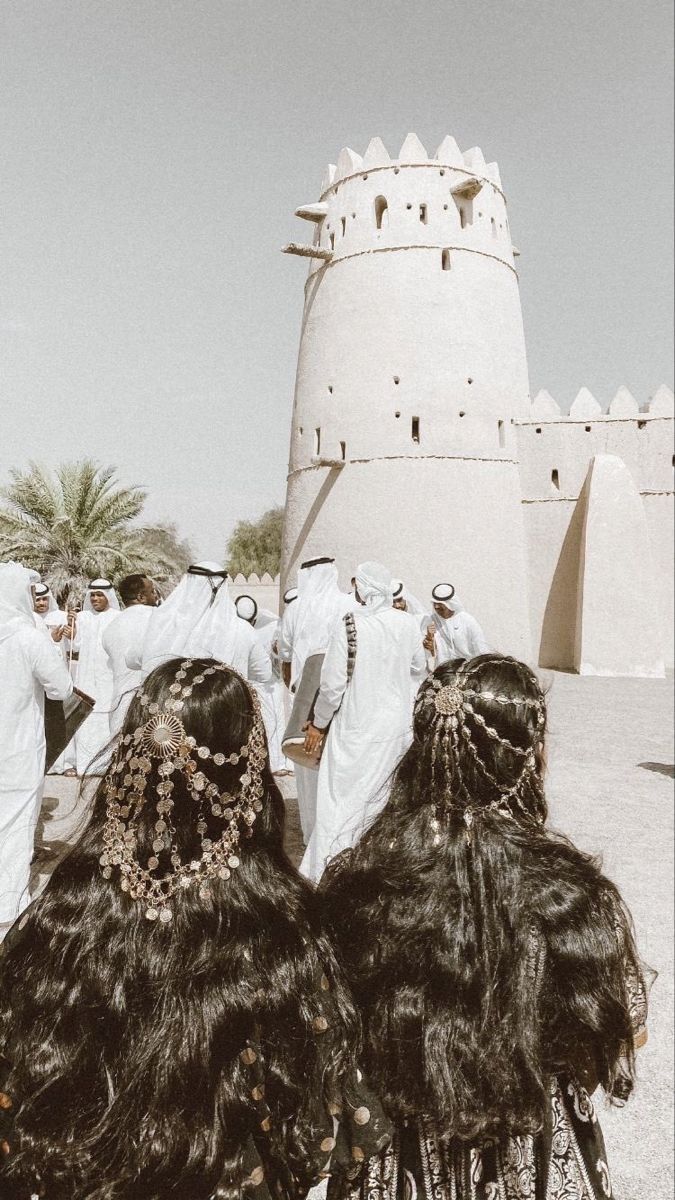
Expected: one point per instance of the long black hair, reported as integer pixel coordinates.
(485, 953)
(124, 1036)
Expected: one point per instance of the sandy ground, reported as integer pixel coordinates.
(611, 790)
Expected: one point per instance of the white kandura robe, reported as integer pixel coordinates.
(271, 697)
(95, 678)
(369, 734)
(126, 631)
(459, 636)
(306, 627)
(31, 666)
(53, 619)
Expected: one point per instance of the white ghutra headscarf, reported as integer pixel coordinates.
(320, 604)
(42, 591)
(374, 585)
(198, 620)
(100, 585)
(16, 598)
(413, 605)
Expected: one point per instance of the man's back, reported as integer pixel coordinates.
(126, 631)
(30, 665)
(388, 647)
(121, 634)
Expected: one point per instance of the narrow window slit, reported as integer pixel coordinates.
(381, 213)
(416, 430)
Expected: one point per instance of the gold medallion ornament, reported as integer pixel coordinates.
(449, 700)
(163, 736)
(146, 764)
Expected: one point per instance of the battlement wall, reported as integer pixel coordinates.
(555, 451)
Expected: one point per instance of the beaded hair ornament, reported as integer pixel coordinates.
(163, 741)
(449, 706)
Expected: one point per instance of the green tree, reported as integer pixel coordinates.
(255, 546)
(77, 523)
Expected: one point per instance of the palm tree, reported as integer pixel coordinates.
(77, 523)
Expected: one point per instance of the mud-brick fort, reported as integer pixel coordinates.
(415, 440)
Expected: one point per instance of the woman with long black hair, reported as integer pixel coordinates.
(172, 1019)
(493, 964)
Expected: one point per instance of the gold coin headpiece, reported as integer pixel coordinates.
(162, 743)
(451, 704)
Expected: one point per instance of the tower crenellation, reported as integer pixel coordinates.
(450, 201)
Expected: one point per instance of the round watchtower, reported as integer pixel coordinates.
(411, 369)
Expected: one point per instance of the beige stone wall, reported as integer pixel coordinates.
(554, 453)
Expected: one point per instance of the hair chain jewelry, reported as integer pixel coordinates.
(451, 704)
(163, 739)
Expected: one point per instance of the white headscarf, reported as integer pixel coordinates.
(246, 608)
(16, 598)
(320, 604)
(374, 585)
(100, 585)
(43, 590)
(400, 592)
(444, 593)
(198, 620)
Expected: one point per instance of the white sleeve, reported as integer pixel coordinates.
(333, 677)
(286, 633)
(82, 620)
(476, 638)
(418, 665)
(49, 668)
(259, 663)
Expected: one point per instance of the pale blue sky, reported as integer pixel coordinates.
(154, 152)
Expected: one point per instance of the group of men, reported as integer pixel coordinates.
(377, 639)
(379, 642)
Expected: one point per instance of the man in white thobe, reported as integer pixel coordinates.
(31, 668)
(199, 620)
(406, 601)
(370, 716)
(48, 615)
(265, 626)
(306, 628)
(94, 674)
(452, 633)
(139, 597)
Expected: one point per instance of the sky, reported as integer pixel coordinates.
(154, 152)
